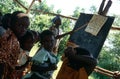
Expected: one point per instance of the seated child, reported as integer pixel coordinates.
(79, 57)
(78, 63)
(44, 61)
(26, 43)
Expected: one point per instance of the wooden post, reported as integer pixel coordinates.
(20, 4)
(30, 7)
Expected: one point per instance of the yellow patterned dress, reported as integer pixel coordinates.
(9, 51)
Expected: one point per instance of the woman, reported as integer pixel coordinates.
(9, 44)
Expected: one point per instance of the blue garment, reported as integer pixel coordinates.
(2, 31)
(40, 59)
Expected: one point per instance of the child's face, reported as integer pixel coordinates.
(49, 42)
(28, 44)
(58, 22)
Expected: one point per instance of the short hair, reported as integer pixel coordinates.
(82, 51)
(56, 18)
(28, 35)
(44, 34)
(6, 20)
(36, 35)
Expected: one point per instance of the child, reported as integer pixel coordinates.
(79, 57)
(26, 43)
(44, 61)
(78, 63)
(55, 28)
(9, 43)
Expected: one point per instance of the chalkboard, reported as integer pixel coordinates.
(88, 41)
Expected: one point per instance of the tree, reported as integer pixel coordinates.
(59, 11)
(117, 20)
(77, 11)
(93, 9)
(44, 7)
(9, 6)
(110, 57)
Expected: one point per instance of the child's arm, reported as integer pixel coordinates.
(87, 61)
(24, 65)
(39, 68)
(72, 55)
(62, 35)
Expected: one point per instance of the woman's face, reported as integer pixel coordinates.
(21, 26)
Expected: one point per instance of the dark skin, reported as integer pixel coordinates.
(20, 27)
(28, 44)
(43, 69)
(48, 44)
(87, 61)
(57, 23)
(62, 35)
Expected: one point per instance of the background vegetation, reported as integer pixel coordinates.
(109, 57)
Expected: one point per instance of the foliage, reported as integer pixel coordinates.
(117, 20)
(77, 11)
(59, 11)
(66, 27)
(109, 57)
(40, 22)
(8, 6)
(44, 7)
(93, 9)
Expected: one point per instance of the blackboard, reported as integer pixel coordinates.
(88, 41)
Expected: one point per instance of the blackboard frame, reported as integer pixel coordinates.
(88, 41)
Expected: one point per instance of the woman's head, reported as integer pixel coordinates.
(47, 40)
(19, 23)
